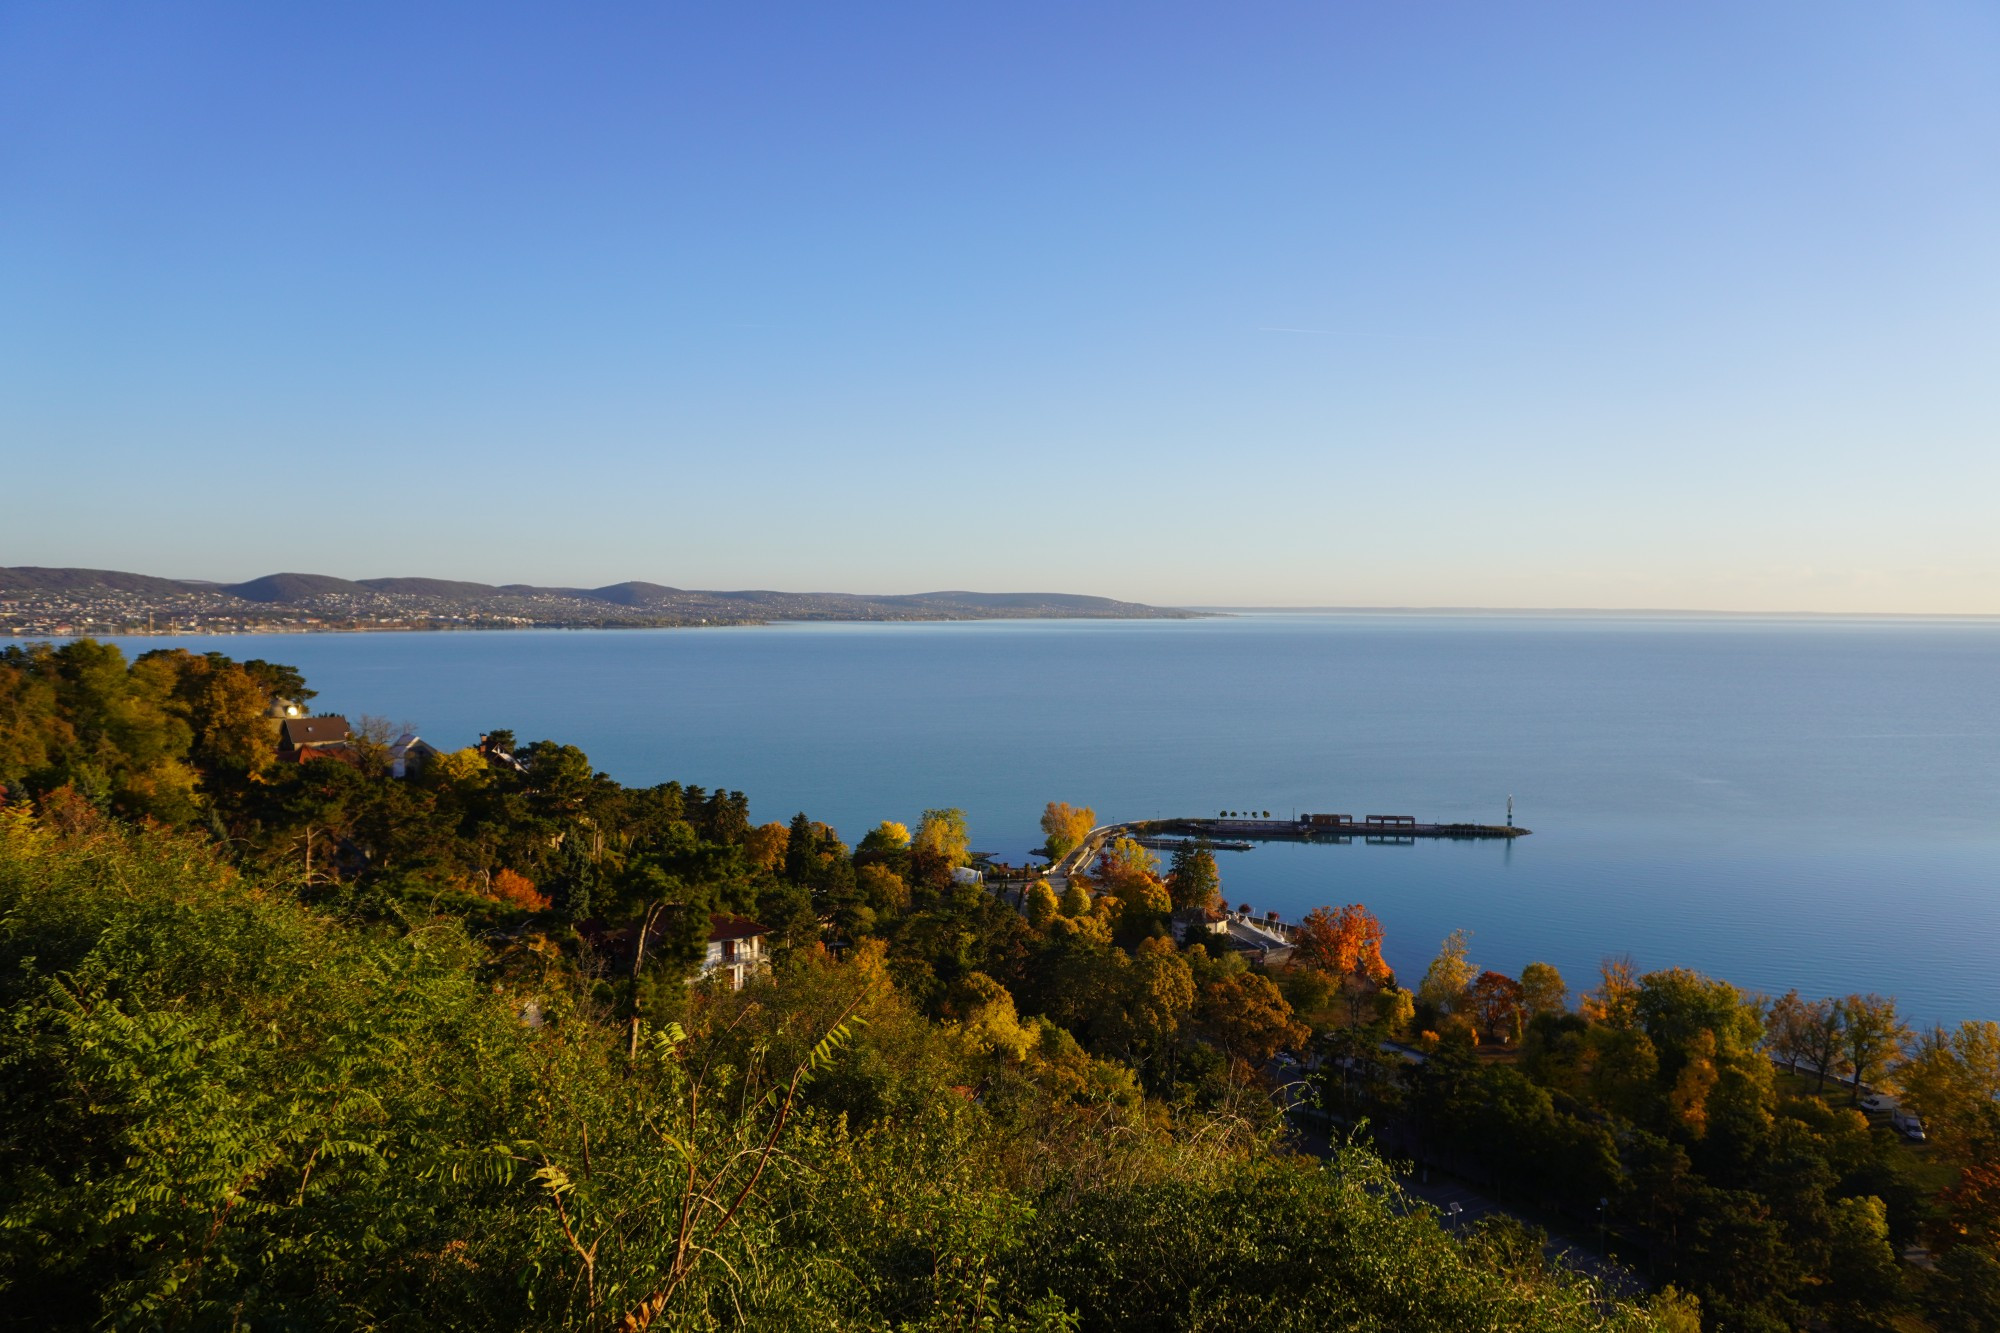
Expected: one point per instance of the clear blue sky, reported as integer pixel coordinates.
(1553, 304)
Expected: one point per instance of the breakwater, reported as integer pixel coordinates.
(1333, 828)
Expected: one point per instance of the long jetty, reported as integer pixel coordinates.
(1306, 828)
(1333, 828)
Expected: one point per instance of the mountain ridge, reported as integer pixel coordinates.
(34, 598)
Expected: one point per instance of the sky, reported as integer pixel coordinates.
(1690, 305)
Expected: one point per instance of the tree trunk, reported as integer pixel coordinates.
(638, 959)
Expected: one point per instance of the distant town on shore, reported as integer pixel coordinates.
(37, 601)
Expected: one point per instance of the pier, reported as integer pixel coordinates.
(1332, 828)
(1237, 834)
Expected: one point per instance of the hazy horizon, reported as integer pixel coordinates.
(1468, 306)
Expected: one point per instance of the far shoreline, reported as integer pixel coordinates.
(204, 632)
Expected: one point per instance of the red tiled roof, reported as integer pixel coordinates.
(340, 754)
(727, 926)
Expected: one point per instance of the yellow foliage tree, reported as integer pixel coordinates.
(1688, 1101)
(456, 768)
(1065, 825)
(1043, 907)
(1617, 993)
(989, 1017)
(765, 845)
(890, 835)
(1949, 1080)
(883, 888)
(942, 834)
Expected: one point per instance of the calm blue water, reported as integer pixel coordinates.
(1777, 802)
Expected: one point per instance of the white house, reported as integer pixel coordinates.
(735, 949)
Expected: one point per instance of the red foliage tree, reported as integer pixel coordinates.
(1496, 1004)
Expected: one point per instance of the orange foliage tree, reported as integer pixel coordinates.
(1343, 943)
(1249, 1018)
(1130, 873)
(517, 890)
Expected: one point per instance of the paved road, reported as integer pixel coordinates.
(1076, 858)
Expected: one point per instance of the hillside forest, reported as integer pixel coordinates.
(291, 1041)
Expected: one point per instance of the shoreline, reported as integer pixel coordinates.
(202, 631)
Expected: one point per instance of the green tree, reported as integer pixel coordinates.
(1543, 991)
(1862, 1262)
(1674, 1007)
(1193, 881)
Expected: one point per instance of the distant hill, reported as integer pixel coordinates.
(45, 600)
(34, 578)
(290, 587)
(430, 587)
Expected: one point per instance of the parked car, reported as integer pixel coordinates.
(1909, 1126)
(1876, 1103)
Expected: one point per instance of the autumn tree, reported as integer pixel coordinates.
(888, 843)
(1342, 943)
(942, 836)
(882, 889)
(1687, 1100)
(1065, 826)
(1822, 1039)
(1042, 905)
(1495, 999)
(764, 847)
(1134, 1006)
(1129, 873)
(224, 703)
(1449, 977)
(1123, 864)
(516, 890)
(1873, 1033)
(1952, 1080)
(1785, 1029)
(1249, 1019)
(987, 1016)
(1617, 988)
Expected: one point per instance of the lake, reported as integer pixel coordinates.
(1780, 802)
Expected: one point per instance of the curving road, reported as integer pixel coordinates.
(1081, 855)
